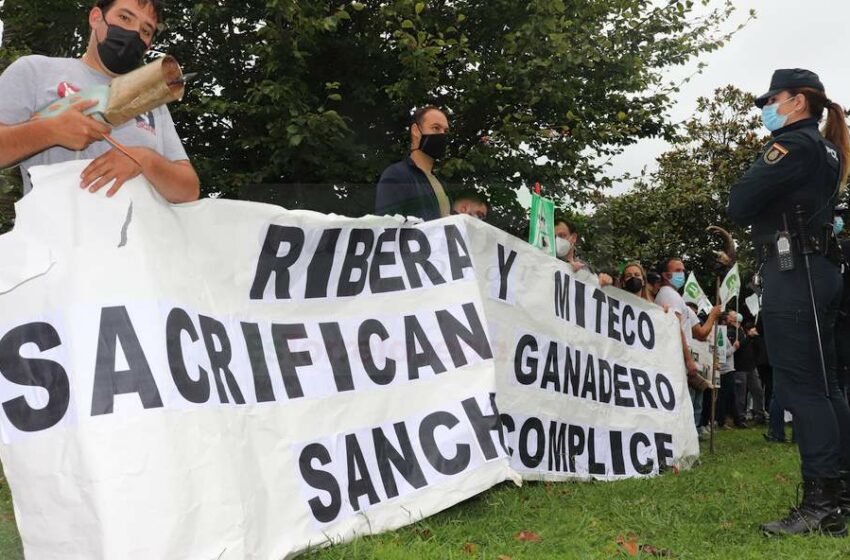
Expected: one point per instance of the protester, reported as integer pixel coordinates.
(744, 361)
(727, 413)
(409, 187)
(121, 33)
(633, 280)
(762, 361)
(653, 281)
(470, 203)
(566, 240)
(672, 272)
(701, 330)
(747, 382)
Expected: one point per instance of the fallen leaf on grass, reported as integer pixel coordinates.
(629, 544)
(527, 536)
(503, 557)
(649, 549)
(423, 533)
(781, 477)
(470, 548)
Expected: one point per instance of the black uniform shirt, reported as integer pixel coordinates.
(798, 166)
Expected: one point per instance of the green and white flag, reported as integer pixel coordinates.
(693, 293)
(721, 343)
(731, 285)
(542, 219)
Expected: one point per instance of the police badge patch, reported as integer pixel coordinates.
(775, 153)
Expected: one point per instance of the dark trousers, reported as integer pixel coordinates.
(726, 399)
(821, 422)
(776, 427)
(766, 375)
(842, 350)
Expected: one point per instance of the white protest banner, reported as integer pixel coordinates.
(591, 382)
(232, 380)
(693, 293)
(701, 352)
(731, 285)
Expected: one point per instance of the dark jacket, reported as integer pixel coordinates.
(404, 189)
(798, 166)
(745, 356)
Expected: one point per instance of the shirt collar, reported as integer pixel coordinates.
(811, 121)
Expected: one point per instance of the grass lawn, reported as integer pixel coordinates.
(712, 511)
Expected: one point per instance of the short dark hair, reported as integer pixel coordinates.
(470, 195)
(569, 223)
(419, 114)
(158, 6)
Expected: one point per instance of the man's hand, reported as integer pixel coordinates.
(605, 280)
(112, 165)
(76, 131)
(715, 312)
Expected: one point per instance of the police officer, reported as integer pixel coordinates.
(792, 187)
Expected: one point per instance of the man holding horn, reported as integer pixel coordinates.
(121, 34)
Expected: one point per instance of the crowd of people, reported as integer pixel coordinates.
(742, 358)
(744, 395)
(796, 175)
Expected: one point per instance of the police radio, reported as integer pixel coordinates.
(784, 250)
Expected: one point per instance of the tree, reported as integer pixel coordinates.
(319, 93)
(667, 212)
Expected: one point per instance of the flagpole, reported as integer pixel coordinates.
(725, 258)
(737, 314)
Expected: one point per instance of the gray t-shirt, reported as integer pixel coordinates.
(32, 82)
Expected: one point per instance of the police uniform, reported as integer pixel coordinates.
(799, 168)
(842, 325)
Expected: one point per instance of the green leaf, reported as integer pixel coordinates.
(419, 7)
(407, 24)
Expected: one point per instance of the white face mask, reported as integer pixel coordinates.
(562, 247)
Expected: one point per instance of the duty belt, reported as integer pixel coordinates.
(767, 251)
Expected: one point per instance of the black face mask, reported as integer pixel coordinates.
(633, 284)
(122, 50)
(433, 145)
